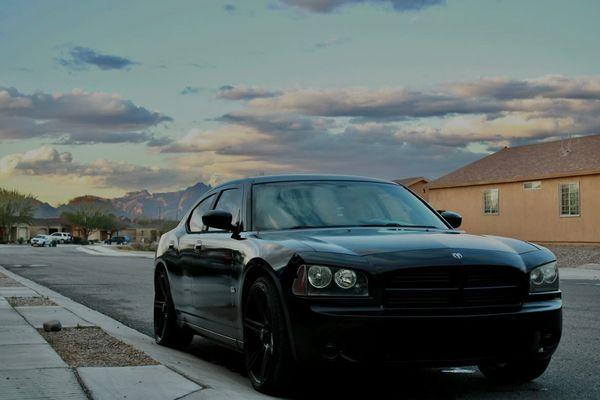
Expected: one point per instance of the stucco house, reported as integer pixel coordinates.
(417, 184)
(545, 192)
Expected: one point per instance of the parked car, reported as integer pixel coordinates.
(62, 237)
(303, 269)
(118, 240)
(42, 241)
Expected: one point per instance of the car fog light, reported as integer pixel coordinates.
(319, 276)
(345, 278)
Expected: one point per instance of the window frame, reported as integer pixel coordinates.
(497, 212)
(189, 218)
(560, 203)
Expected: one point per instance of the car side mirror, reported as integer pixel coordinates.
(219, 219)
(454, 219)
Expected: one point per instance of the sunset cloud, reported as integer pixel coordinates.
(75, 117)
(101, 173)
(379, 131)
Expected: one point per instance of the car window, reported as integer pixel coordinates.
(195, 222)
(230, 201)
(294, 205)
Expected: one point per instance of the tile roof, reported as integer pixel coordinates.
(411, 181)
(568, 157)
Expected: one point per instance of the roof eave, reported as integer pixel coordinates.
(434, 186)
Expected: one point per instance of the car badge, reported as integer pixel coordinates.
(458, 256)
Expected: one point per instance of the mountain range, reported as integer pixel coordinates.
(134, 205)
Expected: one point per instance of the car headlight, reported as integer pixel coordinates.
(544, 278)
(321, 280)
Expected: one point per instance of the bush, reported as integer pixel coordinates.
(21, 240)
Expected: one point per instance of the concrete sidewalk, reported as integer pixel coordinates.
(31, 369)
(179, 371)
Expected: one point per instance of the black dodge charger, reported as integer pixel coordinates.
(298, 269)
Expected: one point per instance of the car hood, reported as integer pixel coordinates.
(372, 241)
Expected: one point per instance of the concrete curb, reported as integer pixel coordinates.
(216, 382)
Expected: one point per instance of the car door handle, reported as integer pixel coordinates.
(198, 245)
(171, 245)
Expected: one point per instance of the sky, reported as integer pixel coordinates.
(107, 97)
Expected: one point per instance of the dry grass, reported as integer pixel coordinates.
(5, 281)
(30, 301)
(92, 347)
(574, 256)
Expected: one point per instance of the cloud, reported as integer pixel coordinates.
(80, 58)
(190, 90)
(230, 8)
(390, 132)
(49, 163)
(229, 92)
(332, 41)
(326, 6)
(75, 117)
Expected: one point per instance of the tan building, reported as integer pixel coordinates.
(416, 184)
(547, 192)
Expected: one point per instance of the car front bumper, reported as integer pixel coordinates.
(375, 335)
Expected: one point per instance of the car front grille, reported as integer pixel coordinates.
(454, 287)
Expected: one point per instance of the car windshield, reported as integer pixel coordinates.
(317, 204)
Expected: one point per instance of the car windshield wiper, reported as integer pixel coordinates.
(398, 225)
(319, 226)
(388, 224)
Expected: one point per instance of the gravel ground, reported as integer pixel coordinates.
(92, 347)
(30, 301)
(574, 256)
(5, 281)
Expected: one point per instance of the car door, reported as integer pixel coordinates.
(186, 259)
(217, 260)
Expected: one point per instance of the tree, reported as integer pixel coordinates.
(15, 208)
(85, 217)
(109, 222)
(89, 217)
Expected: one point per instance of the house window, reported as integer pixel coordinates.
(532, 185)
(569, 199)
(490, 202)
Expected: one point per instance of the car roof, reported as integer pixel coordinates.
(301, 177)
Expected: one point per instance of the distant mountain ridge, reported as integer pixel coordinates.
(134, 205)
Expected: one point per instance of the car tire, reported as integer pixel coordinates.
(166, 330)
(517, 371)
(267, 348)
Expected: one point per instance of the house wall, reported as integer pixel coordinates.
(531, 215)
(420, 189)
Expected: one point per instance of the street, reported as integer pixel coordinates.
(122, 287)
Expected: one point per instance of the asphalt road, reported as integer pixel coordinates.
(122, 288)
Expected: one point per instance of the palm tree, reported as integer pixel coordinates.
(15, 208)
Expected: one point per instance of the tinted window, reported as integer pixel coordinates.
(337, 203)
(231, 201)
(195, 223)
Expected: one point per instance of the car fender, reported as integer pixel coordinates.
(249, 272)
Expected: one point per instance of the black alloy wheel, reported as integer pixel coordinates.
(268, 357)
(166, 331)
